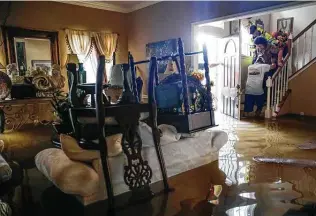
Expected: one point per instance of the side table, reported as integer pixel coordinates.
(15, 113)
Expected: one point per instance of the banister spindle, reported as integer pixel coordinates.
(278, 90)
(284, 79)
(275, 92)
(268, 108)
(282, 82)
(290, 62)
(280, 87)
(272, 94)
(311, 46)
(304, 50)
(296, 53)
(286, 76)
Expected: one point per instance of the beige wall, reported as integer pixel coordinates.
(303, 16)
(161, 21)
(167, 20)
(54, 16)
(303, 96)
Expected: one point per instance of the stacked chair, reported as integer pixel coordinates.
(173, 94)
(93, 125)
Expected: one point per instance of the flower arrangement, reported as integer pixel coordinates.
(198, 75)
(277, 40)
(12, 69)
(61, 105)
(280, 42)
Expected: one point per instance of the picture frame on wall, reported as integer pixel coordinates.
(285, 24)
(160, 49)
(234, 27)
(42, 63)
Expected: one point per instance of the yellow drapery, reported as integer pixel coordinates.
(106, 44)
(81, 43)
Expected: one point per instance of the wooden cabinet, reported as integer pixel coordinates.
(16, 113)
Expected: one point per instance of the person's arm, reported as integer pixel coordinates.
(215, 64)
(254, 56)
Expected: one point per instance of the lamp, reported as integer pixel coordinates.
(72, 58)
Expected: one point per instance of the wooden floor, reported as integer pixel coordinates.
(248, 188)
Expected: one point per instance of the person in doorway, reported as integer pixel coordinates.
(262, 67)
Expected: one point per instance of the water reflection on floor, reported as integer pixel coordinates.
(249, 188)
(266, 189)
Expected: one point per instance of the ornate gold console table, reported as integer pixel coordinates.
(16, 113)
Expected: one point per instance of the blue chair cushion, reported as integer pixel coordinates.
(169, 95)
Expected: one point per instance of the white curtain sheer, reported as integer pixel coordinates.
(80, 43)
(87, 50)
(90, 65)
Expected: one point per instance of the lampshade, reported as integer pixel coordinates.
(117, 76)
(73, 58)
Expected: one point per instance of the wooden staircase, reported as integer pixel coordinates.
(300, 56)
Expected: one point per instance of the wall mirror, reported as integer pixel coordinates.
(30, 48)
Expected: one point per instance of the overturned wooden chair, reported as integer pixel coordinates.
(173, 94)
(126, 113)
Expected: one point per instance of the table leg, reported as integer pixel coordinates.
(2, 121)
(93, 100)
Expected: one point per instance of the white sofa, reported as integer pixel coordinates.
(85, 179)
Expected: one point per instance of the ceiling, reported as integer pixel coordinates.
(117, 6)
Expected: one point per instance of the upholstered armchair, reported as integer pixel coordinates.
(77, 171)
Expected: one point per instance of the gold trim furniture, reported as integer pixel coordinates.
(16, 113)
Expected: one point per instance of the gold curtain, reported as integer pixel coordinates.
(63, 56)
(2, 52)
(106, 44)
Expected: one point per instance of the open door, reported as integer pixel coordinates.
(231, 77)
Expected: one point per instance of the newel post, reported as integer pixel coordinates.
(268, 112)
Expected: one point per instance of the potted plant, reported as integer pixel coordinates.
(61, 106)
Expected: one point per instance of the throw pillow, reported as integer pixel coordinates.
(75, 152)
(114, 144)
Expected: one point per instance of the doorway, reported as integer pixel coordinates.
(231, 77)
(213, 45)
(222, 48)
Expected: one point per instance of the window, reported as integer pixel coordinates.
(212, 45)
(91, 65)
(245, 41)
(108, 69)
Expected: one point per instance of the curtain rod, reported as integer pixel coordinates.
(91, 31)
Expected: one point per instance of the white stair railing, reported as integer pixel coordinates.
(302, 51)
(277, 86)
(304, 48)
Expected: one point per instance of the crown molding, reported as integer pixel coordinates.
(110, 7)
(143, 5)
